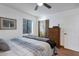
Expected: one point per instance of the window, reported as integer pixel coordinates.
(7, 23)
(27, 26)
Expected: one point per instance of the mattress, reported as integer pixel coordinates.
(18, 50)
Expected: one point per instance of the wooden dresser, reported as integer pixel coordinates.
(54, 34)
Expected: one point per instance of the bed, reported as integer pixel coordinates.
(27, 47)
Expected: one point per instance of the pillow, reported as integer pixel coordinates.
(30, 36)
(36, 37)
(3, 45)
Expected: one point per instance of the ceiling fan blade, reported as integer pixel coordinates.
(46, 5)
(36, 7)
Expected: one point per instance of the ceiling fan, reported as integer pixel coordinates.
(42, 4)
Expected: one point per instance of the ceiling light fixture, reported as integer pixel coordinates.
(39, 4)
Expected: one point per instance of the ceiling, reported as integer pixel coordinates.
(42, 11)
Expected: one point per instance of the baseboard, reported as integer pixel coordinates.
(71, 50)
(62, 46)
(68, 49)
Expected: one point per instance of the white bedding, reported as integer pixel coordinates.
(17, 50)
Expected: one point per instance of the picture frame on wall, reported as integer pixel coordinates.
(7, 23)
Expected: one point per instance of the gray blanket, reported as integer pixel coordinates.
(36, 50)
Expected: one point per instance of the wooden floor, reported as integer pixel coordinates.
(67, 52)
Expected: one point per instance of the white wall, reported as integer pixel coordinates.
(15, 14)
(69, 23)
